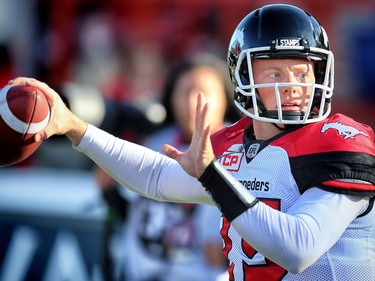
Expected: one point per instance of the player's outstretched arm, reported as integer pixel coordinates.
(200, 153)
(62, 120)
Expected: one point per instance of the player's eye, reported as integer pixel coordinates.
(301, 75)
(275, 75)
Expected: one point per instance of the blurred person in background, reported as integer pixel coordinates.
(168, 241)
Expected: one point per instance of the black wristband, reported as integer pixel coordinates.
(223, 193)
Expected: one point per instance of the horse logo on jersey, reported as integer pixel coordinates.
(343, 130)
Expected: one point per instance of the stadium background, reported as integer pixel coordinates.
(101, 53)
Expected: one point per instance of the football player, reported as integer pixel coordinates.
(295, 185)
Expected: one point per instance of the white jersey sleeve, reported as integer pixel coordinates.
(142, 170)
(310, 217)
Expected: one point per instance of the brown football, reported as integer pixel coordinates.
(24, 111)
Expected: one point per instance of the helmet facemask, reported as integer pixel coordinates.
(246, 93)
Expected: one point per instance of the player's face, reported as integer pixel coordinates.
(292, 97)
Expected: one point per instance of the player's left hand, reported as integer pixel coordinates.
(200, 153)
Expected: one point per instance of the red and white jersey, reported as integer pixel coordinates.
(309, 219)
(335, 155)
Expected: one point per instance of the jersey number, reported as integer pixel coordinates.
(265, 270)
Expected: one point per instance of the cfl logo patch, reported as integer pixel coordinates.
(253, 150)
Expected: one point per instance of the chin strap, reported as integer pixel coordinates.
(287, 115)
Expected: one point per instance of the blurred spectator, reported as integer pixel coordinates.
(98, 56)
(167, 241)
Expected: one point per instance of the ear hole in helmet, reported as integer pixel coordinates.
(240, 98)
(246, 102)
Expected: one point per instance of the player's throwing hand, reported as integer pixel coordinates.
(200, 153)
(62, 120)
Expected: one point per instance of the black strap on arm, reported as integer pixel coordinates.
(229, 194)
